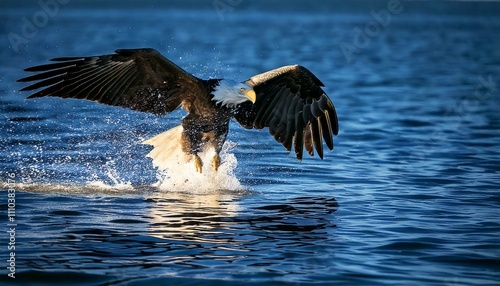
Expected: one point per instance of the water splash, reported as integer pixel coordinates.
(111, 160)
(181, 176)
(97, 187)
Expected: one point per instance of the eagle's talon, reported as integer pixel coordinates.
(216, 162)
(198, 164)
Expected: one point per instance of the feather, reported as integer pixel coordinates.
(326, 129)
(308, 142)
(316, 135)
(298, 143)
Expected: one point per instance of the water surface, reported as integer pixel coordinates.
(410, 195)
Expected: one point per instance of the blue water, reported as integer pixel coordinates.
(409, 196)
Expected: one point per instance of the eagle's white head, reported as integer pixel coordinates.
(231, 93)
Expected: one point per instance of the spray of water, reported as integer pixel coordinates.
(181, 176)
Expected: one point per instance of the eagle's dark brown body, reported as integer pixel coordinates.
(207, 123)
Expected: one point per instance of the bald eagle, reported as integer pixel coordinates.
(288, 100)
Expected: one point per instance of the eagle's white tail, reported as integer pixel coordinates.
(167, 148)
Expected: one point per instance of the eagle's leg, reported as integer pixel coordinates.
(198, 163)
(218, 142)
(216, 161)
(191, 141)
(196, 137)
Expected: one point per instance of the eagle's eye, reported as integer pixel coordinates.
(242, 89)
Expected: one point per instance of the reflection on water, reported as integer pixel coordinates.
(191, 217)
(177, 234)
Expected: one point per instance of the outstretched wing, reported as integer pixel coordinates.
(139, 79)
(292, 104)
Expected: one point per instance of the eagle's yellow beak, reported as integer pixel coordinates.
(250, 94)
